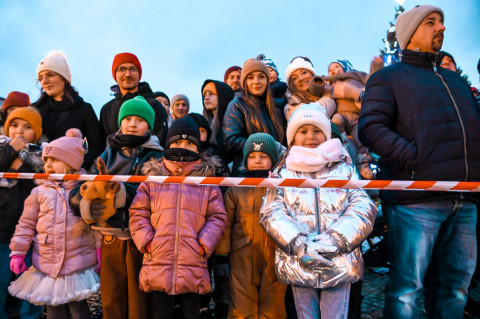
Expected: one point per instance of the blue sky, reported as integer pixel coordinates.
(182, 43)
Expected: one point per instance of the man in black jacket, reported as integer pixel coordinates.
(424, 123)
(127, 72)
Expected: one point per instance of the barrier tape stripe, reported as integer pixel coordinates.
(262, 182)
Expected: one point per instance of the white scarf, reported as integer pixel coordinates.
(309, 160)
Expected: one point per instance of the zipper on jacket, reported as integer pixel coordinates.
(458, 115)
(317, 214)
(175, 253)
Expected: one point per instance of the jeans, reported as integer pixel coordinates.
(331, 303)
(27, 310)
(441, 233)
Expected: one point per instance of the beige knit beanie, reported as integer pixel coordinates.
(56, 61)
(250, 66)
(408, 22)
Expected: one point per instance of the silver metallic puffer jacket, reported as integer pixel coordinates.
(291, 212)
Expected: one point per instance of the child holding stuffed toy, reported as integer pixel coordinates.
(177, 226)
(18, 153)
(64, 256)
(318, 231)
(127, 151)
(254, 288)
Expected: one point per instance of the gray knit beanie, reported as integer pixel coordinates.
(408, 22)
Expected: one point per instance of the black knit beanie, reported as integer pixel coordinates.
(184, 129)
(202, 122)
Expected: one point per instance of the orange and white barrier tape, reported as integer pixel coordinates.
(263, 182)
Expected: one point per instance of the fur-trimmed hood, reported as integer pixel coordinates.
(209, 167)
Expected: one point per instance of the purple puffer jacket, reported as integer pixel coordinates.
(62, 242)
(178, 220)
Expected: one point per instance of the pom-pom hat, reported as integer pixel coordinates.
(56, 61)
(68, 149)
(313, 114)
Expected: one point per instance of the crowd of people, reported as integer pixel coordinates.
(174, 250)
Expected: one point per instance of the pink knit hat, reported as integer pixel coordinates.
(68, 149)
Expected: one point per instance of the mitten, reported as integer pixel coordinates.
(99, 258)
(17, 264)
(317, 86)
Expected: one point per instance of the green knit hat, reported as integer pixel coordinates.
(260, 142)
(137, 106)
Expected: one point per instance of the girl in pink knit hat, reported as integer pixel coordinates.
(64, 258)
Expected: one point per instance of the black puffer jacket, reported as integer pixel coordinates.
(13, 192)
(424, 123)
(237, 127)
(109, 112)
(59, 116)
(122, 161)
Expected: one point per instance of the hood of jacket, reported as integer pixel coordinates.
(208, 167)
(143, 90)
(224, 94)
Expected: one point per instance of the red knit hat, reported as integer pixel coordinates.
(15, 98)
(230, 70)
(125, 57)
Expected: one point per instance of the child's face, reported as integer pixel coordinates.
(186, 144)
(21, 128)
(54, 166)
(258, 161)
(203, 134)
(134, 125)
(335, 69)
(309, 136)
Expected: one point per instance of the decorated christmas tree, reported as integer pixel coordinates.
(391, 51)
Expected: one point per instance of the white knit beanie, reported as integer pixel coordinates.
(56, 61)
(298, 63)
(313, 114)
(408, 22)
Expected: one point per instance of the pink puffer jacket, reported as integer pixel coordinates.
(178, 220)
(62, 242)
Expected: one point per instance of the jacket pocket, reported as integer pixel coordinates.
(238, 243)
(42, 238)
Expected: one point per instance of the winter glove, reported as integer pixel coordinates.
(304, 249)
(222, 268)
(96, 208)
(17, 264)
(99, 258)
(325, 245)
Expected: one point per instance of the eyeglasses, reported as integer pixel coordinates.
(124, 70)
(47, 76)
